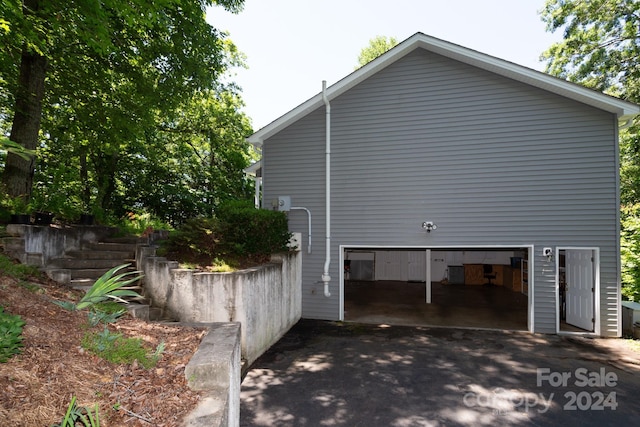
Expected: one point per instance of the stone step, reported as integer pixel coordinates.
(86, 283)
(128, 240)
(119, 247)
(87, 273)
(83, 264)
(96, 254)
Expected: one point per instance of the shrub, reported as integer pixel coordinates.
(10, 335)
(238, 231)
(630, 251)
(196, 237)
(246, 230)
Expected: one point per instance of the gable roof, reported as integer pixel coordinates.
(625, 111)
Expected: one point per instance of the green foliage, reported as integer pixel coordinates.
(14, 205)
(17, 270)
(197, 237)
(377, 46)
(137, 224)
(10, 335)
(105, 312)
(76, 415)
(138, 120)
(115, 348)
(600, 47)
(238, 231)
(601, 50)
(246, 230)
(630, 252)
(108, 286)
(8, 146)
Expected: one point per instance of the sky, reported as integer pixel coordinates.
(293, 45)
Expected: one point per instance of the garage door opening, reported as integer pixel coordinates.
(467, 287)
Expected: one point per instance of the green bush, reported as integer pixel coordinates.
(245, 230)
(239, 230)
(10, 335)
(630, 251)
(197, 237)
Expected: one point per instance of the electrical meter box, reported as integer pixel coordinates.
(282, 203)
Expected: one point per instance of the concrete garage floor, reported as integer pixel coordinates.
(403, 303)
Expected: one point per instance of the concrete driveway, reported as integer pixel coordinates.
(345, 374)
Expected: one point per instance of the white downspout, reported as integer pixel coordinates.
(325, 275)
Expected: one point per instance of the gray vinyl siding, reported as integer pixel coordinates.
(490, 160)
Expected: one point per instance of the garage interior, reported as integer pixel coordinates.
(475, 288)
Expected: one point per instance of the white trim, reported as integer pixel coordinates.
(622, 109)
(596, 292)
(531, 265)
(427, 277)
(529, 247)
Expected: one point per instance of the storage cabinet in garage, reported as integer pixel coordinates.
(456, 274)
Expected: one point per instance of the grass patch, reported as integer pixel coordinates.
(16, 270)
(116, 348)
(31, 287)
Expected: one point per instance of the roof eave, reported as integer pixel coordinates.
(624, 110)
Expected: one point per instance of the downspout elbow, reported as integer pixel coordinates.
(326, 279)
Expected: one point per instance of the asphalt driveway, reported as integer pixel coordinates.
(342, 374)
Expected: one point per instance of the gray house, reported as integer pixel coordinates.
(441, 168)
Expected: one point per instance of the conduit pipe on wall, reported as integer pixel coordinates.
(325, 275)
(309, 225)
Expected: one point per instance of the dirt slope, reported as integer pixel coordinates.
(37, 385)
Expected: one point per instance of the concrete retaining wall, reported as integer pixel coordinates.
(266, 300)
(36, 245)
(215, 368)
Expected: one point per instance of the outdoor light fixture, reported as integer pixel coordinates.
(429, 225)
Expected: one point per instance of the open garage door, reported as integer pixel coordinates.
(458, 287)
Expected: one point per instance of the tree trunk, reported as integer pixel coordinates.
(18, 172)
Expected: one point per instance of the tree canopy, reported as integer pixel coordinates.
(601, 50)
(377, 46)
(124, 103)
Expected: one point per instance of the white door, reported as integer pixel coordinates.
(580, 288)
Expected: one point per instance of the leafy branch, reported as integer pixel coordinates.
(108, 286)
